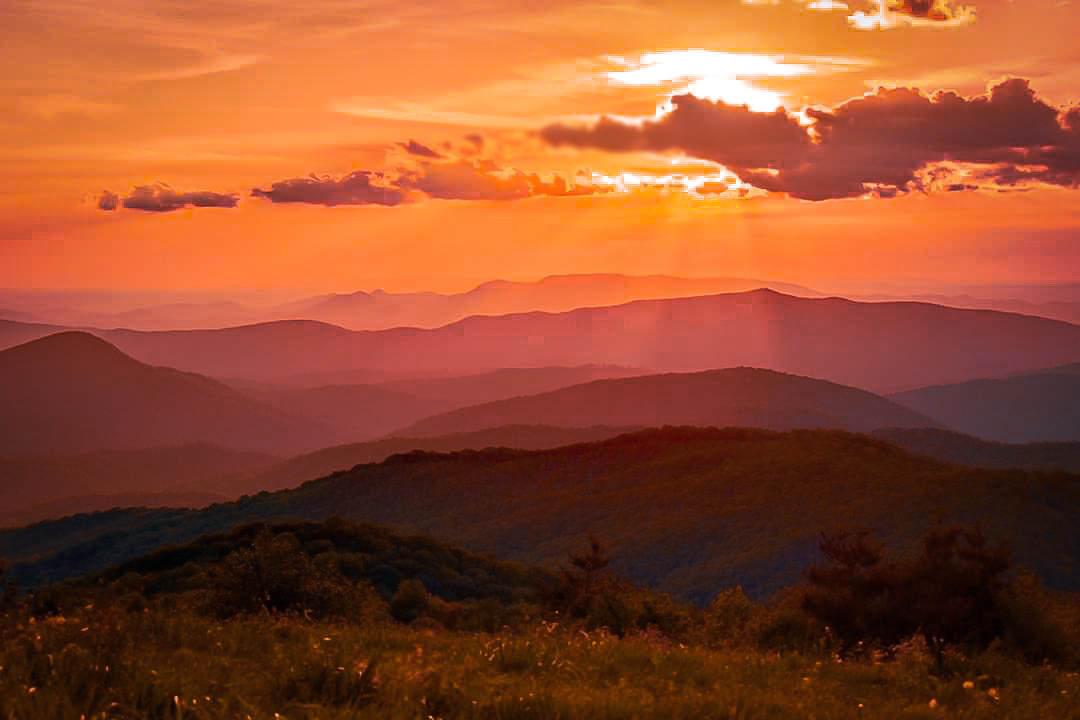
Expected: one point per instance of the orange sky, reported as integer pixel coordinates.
(222, 98)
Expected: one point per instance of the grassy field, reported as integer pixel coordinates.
(113, 662)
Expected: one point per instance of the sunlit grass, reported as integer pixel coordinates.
(110, 663)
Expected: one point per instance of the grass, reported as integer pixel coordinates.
(105, 661)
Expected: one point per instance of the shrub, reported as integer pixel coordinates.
(949, 594)
(728, 615)
(409, 602)
(274, 576)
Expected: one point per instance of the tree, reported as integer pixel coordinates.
(410, 601)
(273, 575)
(586, 574)
(950, 593)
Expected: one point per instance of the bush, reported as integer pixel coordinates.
(274, 576)
(1040, 626)
(950, 593)
(727, 616)
(409, 602)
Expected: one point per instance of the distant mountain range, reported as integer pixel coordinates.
(1067, 311)
(43, 486)
(689, 511)
(380, 310)
(954, 447)
(73, 392)
(37, 488)
(1041, 406)
(881, 347)
(294, 471)
(40, 488)
(744, 397)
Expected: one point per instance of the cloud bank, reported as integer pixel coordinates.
(357, 188)
(885, 143)
(161, 198)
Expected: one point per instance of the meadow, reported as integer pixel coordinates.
(294, 621)
(107, 662)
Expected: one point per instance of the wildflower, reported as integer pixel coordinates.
(933, 703)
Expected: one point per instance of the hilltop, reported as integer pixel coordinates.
(745, 397)
(685, 510)
(74, 392)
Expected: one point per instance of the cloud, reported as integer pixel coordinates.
(414, 148)
(356, 188)
(108, 200)
(432, 175)
(886, 14)
(485, 180)
(881, 144)
(162, 198)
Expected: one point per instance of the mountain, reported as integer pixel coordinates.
(73, 392)
(881, 347)
(379, 310)
(350, 413)
(745, 397)
(686, 510)
(80, 504)
(375, 310)
(507, 383)
(954, 447)
(14, 332)
(290, 473)
(1023, 408)
(39, 487)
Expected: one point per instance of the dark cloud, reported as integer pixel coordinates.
(162, 198)
(476, 139)
(414, 148)
(108, 200)
(879, 144)
(924, 9)
(356, 188)
(432, 175)
(485, 180)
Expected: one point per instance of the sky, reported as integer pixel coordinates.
(340, 145)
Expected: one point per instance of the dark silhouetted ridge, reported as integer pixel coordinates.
(686, 510)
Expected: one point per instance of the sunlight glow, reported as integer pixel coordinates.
(715, 185)
(708, 74)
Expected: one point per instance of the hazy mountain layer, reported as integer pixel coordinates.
(39, 487)
(745, 397)
(882, 347)
(1023, 408)
(954, 447)
(73, 392)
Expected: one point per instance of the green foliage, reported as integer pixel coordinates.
(274, 576)
(409, 602)
(690, 510)
(587, 579)
(949, 594)
(1038, 625)
(728, 616)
